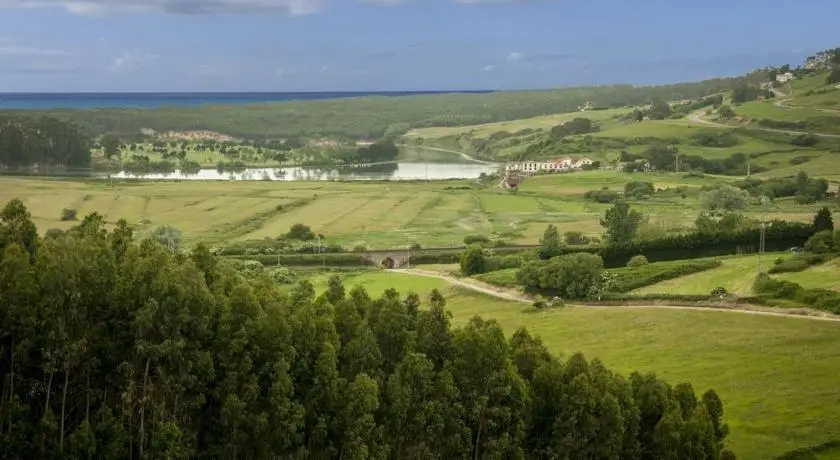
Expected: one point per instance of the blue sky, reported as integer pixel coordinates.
(363, 45)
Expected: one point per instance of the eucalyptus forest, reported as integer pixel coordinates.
(113, 348)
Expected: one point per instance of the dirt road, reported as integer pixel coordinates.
(516, 297)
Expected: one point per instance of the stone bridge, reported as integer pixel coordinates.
(388, 259)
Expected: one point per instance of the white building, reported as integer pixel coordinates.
(784, 77)
(561, 164)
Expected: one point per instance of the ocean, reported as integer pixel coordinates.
(41, 101)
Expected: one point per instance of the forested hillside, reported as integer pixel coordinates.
(112, 348)
(373, 117)
(43, 142)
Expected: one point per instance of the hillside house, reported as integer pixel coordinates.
(783, 78)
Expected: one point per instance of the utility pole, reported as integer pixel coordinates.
(761, 237)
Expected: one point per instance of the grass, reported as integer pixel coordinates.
(736, 275)
(775, 401)
(544, 122)
(373, 214)
(825, 276)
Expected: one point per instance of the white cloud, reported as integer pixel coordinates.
(515, 56)
(129, 61)
(100, 7)
(487, 68)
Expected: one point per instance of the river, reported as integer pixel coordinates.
(388, 171)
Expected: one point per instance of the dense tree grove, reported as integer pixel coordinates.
(41, 142)
(112, 348)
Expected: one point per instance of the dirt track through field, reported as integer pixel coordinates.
(516, 297)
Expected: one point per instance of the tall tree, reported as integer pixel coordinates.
(621, 223)
(823, 220)
(550, 243)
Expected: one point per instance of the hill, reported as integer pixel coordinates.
(371, 117)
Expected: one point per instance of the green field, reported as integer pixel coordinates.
(737, 274)
(374, 214)
(775, 400)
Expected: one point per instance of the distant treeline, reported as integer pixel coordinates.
(374, 117)
(27, 142)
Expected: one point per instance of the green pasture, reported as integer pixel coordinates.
(736, 275)
(372, 214)
(775, 399)
(544, 122)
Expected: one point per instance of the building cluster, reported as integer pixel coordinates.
(558, 165)
(783, 78)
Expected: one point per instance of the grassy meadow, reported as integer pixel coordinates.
(776, 400)
(374, 214)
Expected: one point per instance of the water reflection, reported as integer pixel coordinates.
(388, 171)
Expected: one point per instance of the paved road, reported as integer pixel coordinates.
(515, 297)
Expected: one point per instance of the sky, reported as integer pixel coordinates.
(396, 45)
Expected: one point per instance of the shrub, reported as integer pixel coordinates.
(68, 214)
(630, 278)
(794, 264)
(637, 261)
(719, 292)
(820, 299)
(572, 276)
(476, 239)
(300, 232)
(820, 243)
(282, 275)
(540, 304)
(575, 238)
(472, 261)
(805, 140)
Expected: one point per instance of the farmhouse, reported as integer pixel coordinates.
(560, 164)
(784, 77)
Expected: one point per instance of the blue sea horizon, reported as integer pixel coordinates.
(51, 101)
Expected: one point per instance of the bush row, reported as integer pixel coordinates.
(327, 259)
(819, 299)
(629, 278)
(799, 263)
(779, 236)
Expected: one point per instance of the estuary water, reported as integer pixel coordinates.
(391, 171)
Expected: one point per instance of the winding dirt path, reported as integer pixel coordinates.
(516, 297)
(696, 118)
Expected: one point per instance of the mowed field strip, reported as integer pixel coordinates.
(776, 375)
(375, 214)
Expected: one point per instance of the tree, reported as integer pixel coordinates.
(472, 261)
(725, 112)
(300, 232)
(820, 243)
(168, 236)
(138, 352)
(637, 261)
(725, 198)
(834, 76)
(571, 276)
(659, 110)
(621, 223)
(823, 220)
(550, 244)
(110, 145)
